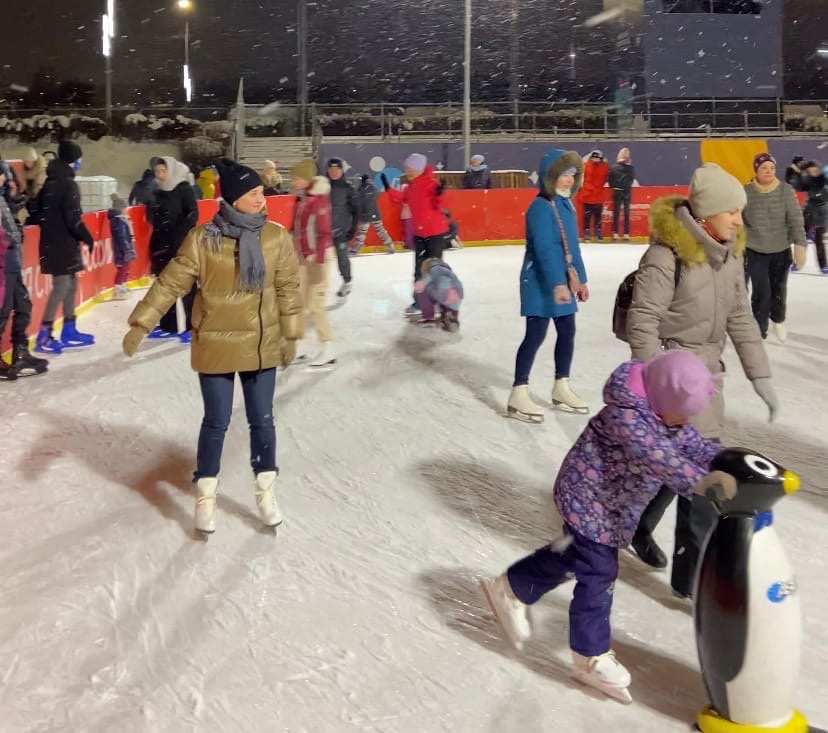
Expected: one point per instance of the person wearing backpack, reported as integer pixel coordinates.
(703, 236)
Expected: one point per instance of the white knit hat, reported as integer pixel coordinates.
(714, 191)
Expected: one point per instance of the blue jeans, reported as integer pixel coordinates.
(536, 329)
(595, 568)
(217, 392)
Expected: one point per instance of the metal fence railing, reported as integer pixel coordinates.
(642, 116)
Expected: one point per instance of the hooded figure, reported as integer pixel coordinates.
(708, 305)
(173, 215)
(552, 281)
(477, 175)
(596, 174)
(144, 191)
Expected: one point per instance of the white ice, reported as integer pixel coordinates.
(401, 484)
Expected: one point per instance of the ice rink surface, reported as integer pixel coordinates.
(401, 484)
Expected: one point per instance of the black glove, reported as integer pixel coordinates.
(384, 180)
(441, 186)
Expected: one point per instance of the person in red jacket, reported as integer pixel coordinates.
(596, 173)
(424, 197)
(313, 241)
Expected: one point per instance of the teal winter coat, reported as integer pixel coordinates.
(544, 263)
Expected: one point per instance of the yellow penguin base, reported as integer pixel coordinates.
(711, 722)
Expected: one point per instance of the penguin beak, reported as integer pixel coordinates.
(790, 482)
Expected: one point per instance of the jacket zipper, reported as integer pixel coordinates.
(261, 329)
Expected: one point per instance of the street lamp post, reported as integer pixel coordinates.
(186, 6)
(108, 35)
(302, 68)
(467, 84)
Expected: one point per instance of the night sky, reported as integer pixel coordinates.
(371, 47)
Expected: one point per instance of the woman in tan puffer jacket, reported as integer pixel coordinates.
(247, 316)
(704, 237)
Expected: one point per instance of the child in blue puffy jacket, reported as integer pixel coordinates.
(439, 287)
(123, 246)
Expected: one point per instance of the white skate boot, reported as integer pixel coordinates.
(565, 399)
(511, 614)
(205, 508)
(521, 406)
(324, 359)
(266, 501)
(604, 673)
(781, 332)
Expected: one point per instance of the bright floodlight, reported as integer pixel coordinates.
(106, 31)
(110, 12)
(184, 4)
(823, 51)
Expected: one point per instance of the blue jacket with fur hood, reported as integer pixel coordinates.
(544, 263)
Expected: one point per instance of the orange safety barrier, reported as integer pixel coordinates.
(495, 216)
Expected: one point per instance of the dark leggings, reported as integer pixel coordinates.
(536, 329)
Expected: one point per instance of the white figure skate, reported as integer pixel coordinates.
(565, 399)
(205, 507)
(511, 614)
(521, 406)
(605, 673)
(266, 501)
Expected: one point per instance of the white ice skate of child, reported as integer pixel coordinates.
(512, 615)
(605, 673)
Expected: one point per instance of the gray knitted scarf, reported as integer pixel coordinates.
(247, 230)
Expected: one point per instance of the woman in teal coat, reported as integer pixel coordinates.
(548, 288)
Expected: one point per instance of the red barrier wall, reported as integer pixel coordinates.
(493, 216)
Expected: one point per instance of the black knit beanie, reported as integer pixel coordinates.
(236, 179)
(69, 151)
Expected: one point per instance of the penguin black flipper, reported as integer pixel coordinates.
(721, 606)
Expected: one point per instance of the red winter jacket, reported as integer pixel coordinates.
(312, 221)
(425, 202)
(596, 174)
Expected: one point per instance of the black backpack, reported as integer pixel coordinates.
(624, 299)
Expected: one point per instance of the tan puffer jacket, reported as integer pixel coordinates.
(233, 330)
(709, 304)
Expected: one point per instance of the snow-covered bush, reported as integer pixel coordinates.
(201, 151)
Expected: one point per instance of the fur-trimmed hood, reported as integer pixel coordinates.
(672, 225)
(553, 164)
(320, 186)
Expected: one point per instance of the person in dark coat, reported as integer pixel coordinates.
(58, 212)
(345, 212)
(477, 175)
(793, 173)
(621, 180)
(144, 191)
(173, 215)
(814, 184)
(15, 298)
(369, 216)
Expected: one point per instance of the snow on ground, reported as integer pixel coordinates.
(401, 484)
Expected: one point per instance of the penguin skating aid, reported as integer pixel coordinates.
(748, 618)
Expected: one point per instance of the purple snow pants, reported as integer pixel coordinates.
(595, 568)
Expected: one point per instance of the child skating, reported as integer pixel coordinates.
(439, 287)
(640, 441)
(123, 246)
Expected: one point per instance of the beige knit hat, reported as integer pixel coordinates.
(305, 169)
(714, 191)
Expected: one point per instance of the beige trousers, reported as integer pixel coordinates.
(313, 280)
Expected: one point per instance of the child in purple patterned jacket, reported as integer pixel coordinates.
(640, 441)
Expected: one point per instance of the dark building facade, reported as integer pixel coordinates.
(700, 49)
